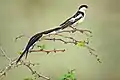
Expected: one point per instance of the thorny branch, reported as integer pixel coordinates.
(73, 30)
(35, 73)
(4, 54)
(72, 40)
(12, 64)
(29, 65)
(91, 51)
(48, 51)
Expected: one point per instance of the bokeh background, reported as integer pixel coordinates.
(32, 16)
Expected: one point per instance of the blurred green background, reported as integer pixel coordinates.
(32, 16)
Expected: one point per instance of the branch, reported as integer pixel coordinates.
(35, 73)
(91, 52)
(73, 30)
(12, 64)
(47, 51)
(55, 39)
(71, 39)
(21, 36)
(74, 41)
(4, 54)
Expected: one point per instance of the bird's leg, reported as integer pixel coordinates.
(74, 29)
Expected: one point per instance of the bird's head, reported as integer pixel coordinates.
(83, 7)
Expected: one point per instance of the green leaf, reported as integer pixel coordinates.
(19, 52)
(69, 76)
(41, 46)
(81, 43)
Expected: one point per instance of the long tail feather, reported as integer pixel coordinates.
(21, 56)
(26, 54)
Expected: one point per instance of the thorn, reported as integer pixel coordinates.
(54, 50)
(54, 39)
(47, 52)
(63, 50)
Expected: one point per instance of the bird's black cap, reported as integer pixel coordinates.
(83, 5)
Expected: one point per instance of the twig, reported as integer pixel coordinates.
(75, 42)
(72, 31)
(35, 73)
(80, 30)
(20, 36)
(4, 54)
(12, 64)
(47, 51)
(64, 41)
(55, 39)
(91, 51)
(4, 71)
(72, 40)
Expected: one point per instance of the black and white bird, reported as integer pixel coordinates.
(77, 18)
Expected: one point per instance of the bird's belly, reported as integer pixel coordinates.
(78, 22)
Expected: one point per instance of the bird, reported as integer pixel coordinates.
(34, 39)
(78, 17)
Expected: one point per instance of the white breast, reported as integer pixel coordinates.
(72, 19)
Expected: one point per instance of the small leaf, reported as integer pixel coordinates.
(81, 43)
(68, 76)
(41, 46)
(19, 52)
